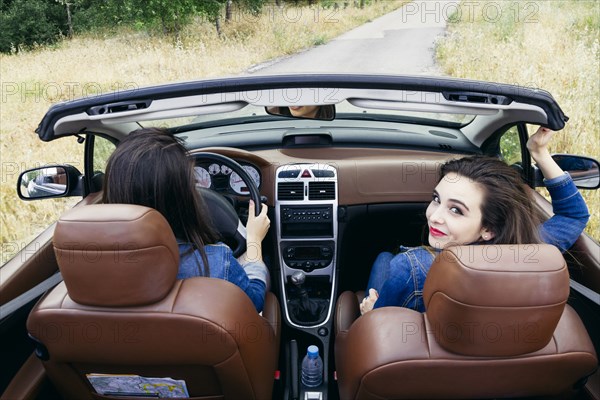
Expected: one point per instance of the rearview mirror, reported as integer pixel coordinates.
(49, 181)
(323, 113)
(585, 171)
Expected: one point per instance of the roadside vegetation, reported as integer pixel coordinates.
(553, 45)
(31, 23)
(132, 55)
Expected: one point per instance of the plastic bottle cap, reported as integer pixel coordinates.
(313, 351)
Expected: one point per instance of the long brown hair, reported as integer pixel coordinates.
(508, 208)
(150, 167)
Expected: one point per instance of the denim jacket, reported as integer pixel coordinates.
(252, 277)
(400, 279)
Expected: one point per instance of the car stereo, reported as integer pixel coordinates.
(302, 221)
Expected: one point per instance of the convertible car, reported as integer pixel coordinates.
(346, 165)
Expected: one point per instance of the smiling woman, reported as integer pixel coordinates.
(480, 200)
(455, 214)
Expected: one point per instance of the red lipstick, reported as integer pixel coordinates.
(436, 233)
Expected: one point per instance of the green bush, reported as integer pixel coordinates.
(26, 23)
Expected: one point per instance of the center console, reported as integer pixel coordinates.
(306, 215)
(306, 222)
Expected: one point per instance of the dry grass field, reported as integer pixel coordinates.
(552, 45)
(86, 65)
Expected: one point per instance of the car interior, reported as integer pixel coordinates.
(508, 321)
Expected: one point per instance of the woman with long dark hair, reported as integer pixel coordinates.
(152, 168)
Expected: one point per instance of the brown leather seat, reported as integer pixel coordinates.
(120, 310)
(497, 325)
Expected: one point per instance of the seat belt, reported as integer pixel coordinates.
(585, 291)
(24, 298)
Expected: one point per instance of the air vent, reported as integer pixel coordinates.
(119, 107)
(321, 190)
(473, 97)
(445, 146)
(290, 191)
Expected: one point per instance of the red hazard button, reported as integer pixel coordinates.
(306, 174)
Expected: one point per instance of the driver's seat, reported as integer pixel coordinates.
(120, 310)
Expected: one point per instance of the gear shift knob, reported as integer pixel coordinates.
(298, 278)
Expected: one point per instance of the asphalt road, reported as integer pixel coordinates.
(401, 42)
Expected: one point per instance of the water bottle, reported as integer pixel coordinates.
(312, 368)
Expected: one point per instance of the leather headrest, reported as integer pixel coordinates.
(496, 300)
(116, 254)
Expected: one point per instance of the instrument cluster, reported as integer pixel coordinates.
(221, 178)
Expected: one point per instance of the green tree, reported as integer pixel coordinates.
(170, 15)
(25, 23)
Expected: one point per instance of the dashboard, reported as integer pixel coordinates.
(221, 178)
(365, 175)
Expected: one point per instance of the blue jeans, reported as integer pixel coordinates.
(399, 279)
(380, 271)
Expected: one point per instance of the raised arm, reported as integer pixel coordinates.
(570, 211)
(538, 148)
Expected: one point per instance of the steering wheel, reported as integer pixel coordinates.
(223, 215)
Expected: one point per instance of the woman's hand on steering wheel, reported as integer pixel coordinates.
(257, 225)
(256, 228)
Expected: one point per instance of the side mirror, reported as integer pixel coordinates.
(585, 171)
(324, 113)
(48, 182)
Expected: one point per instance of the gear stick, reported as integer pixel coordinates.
(298, 278)
(306, 309)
